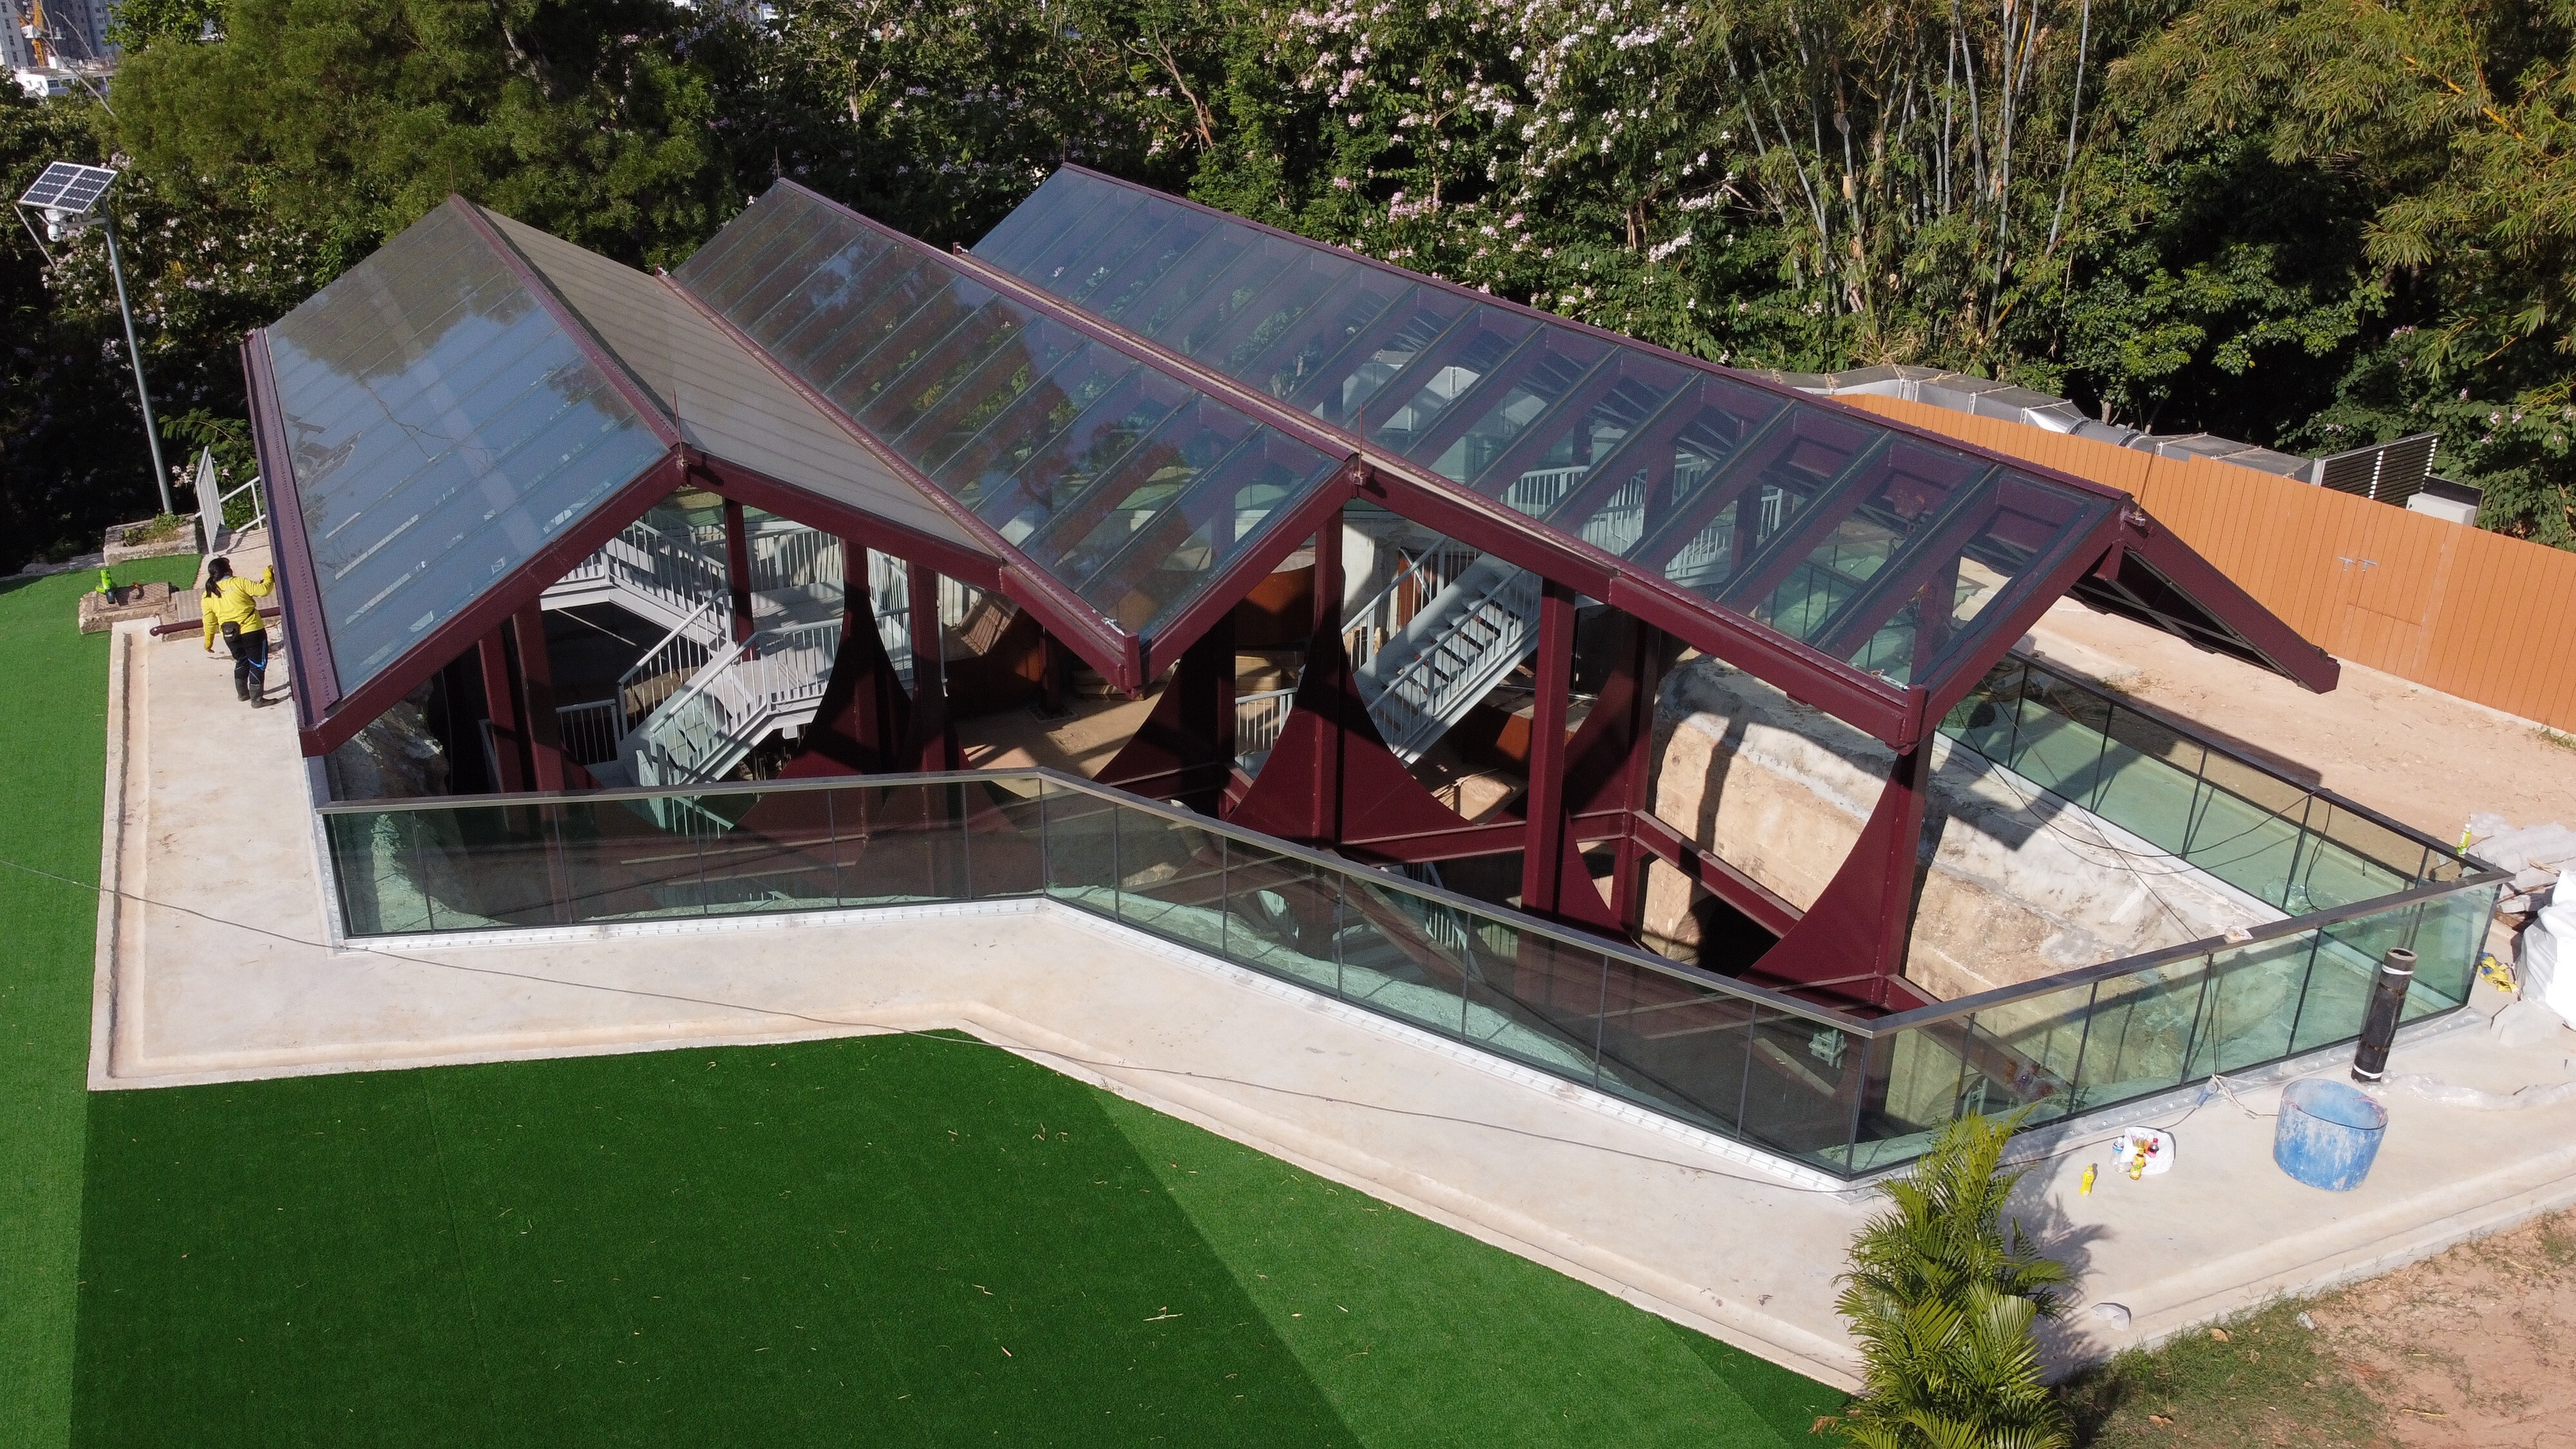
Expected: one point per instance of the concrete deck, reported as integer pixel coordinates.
(215, 964)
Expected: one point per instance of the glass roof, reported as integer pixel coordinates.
(1129, 485)
(443, 429)
(1874, 546)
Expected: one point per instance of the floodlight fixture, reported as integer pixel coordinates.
(71, 196)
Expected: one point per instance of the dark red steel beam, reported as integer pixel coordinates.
(738, 569)
(934, 734)
(538, 721)
(1543, 853)
(2077, 554)
(2156, 546)
(1185, 748)
(1713, 874)
(1861, 924)
(501, 707)
(859, 725)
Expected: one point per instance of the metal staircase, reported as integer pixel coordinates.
(697, 702)
(1450, 654)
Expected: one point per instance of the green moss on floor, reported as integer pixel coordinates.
(891, 1239)
(53, 720)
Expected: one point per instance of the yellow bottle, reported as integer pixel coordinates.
(2086, 1190)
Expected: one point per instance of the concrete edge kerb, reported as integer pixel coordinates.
(111, 852)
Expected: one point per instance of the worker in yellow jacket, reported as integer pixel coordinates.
(232, 611)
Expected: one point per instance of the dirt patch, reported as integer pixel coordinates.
(2474, 1349)
(2425, 757)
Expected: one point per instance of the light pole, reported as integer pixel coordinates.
(68, 197)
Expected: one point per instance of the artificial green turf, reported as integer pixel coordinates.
(53, 711)
(887, 1240)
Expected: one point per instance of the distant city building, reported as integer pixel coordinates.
(51, 46)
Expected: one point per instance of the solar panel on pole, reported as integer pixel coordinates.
(69, 186)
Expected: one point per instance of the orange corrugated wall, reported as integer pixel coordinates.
(2460, 610)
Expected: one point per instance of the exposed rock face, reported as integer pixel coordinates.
(2018, 884)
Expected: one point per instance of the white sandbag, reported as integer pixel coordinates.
(2548, 960)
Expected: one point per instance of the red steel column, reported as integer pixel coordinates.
(1643, 664)
(738, 569)
(1543, 848)
(537, 698)
(1325, 819)
(934, 734)
(501, 706)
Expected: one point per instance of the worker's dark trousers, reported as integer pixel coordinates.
(250, 663)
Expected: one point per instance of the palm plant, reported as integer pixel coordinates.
(1942, 1295)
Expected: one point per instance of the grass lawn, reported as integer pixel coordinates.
(887, 1240)
(53, 733)
(914, 1240)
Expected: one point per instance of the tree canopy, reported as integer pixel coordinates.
(2304, 223)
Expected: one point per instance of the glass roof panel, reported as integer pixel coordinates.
(1110, 473)
(1808, 518)
(444, 429)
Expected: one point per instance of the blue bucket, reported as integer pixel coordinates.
(2328, 1134)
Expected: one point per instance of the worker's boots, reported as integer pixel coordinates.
(241, 688)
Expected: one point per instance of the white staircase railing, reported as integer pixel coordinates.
(1366, 629)
(771, 681)
(212, 500)
(1450, 654)
(1258, 719)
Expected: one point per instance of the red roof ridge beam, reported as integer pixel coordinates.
(611, 366)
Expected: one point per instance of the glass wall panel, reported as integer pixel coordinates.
(1005, 835)
(1404, 955)
(2342, 972)
(2450, 935)
(2027, 1053)
(1171, 878)
(1803, 1086)
(2138, 1038)
(2058, 744)
(2148, 778)
(1081, 849)
(1701, 1051)
(377, 869)
(1283, 915)
(2253, 1003)
(1535, 999)
(1675, 1045)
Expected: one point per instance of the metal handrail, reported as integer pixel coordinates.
(1619, 951)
